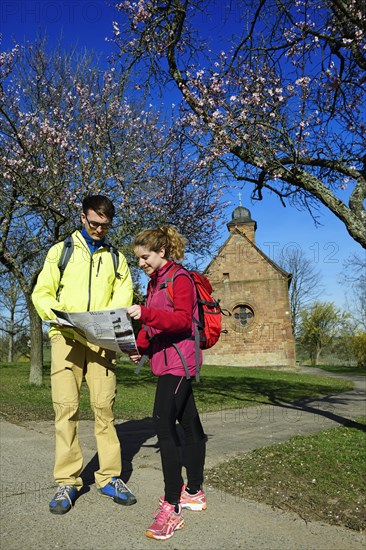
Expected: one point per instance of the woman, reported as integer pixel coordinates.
(167, 336)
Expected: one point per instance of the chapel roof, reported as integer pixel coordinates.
(241, 215)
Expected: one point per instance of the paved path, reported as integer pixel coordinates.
(97, 523)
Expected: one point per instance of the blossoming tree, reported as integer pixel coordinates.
(280, 105)
(67, 130)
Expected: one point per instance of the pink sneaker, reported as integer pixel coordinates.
(195, 503)
(166, 521)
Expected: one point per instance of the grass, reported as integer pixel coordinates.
(320, 477)
(220, 388)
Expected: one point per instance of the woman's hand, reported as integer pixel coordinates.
(134, 311)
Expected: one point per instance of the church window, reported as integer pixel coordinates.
(243, 314)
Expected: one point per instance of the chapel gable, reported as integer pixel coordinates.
(254, 290)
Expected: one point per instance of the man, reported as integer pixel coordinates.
(88, 283)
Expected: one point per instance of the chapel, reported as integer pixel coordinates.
(254, 291)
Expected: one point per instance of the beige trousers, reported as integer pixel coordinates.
(71, 361)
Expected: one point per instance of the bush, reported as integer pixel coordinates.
(358, 346)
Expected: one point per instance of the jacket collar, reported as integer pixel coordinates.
(161, 272)
(92, 244)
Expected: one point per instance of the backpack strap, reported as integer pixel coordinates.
(183, 360)
(115, 257)
(66, 253)
(168, 283)
(197, 350)
(140, 363)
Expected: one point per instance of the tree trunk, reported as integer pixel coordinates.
(36, 353)
(317, 355)
(11, 341)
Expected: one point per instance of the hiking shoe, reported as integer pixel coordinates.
(195, 503)
(63, 500)
(119, 491)
(168, 519)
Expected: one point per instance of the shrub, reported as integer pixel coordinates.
(358, 345)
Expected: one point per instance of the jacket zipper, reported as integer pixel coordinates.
(99, 264)
(90, 281)
(90, 272)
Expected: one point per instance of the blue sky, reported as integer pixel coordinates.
(87, 23)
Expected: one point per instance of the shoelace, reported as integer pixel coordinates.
(163, 514)
(120, 486)
(63, 493)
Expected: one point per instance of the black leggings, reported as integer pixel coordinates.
(174, 401)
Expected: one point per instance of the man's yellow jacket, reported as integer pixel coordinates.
(89, 282)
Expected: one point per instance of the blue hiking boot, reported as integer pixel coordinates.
(119, 491)
(63, 500)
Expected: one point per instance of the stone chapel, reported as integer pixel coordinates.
(254, 290)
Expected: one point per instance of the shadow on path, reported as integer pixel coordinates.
(132, 435)
(328, 409)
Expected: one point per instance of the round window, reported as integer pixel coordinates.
(243, 315)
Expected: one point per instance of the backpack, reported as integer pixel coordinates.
(209, 311)
(69, 248)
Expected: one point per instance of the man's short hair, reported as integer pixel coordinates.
(100, 204)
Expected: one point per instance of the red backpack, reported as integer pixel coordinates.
(209, 310)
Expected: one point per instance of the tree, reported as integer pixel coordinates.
(305, 284)
(12, 315)
(319, 325)
(278, 105)
(66, 130)
(354, 279)
(358, 346)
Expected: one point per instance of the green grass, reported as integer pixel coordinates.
(320, 477)
(220, 388)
